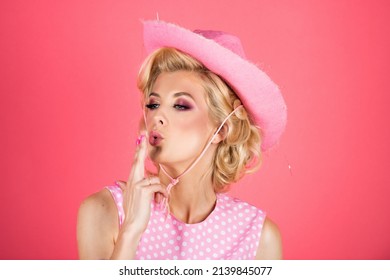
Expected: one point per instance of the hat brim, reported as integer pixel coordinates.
(260, 96)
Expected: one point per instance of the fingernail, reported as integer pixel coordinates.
(139, 139)
(116, 183)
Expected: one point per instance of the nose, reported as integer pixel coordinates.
(160, 120)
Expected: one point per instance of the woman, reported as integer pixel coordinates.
(209, 113)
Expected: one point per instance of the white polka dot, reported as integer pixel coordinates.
(208, 240)
(208, 250)
(186, 233)
(165, 235)
(184, 244)
(177, 248)
(192, 240)
(182, 254)
(163, 244)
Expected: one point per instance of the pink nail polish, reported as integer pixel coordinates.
(139, 139)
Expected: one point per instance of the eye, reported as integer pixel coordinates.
(152, 106)
(181, 107)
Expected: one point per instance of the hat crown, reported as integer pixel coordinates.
(224, 39)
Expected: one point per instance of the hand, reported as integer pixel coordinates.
(139, 191)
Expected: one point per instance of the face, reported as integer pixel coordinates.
(177, 118)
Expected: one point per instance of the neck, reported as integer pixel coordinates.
(193, 198)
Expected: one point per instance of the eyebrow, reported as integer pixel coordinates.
(177, 94)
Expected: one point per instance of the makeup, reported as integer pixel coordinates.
(155, 138)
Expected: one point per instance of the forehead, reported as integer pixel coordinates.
(169, 83)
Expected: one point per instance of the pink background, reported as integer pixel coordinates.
(69, 112)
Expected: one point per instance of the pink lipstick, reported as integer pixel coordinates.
(155, 138)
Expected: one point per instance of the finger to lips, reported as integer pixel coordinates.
(138, 169)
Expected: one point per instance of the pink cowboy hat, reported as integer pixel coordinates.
(223, 54)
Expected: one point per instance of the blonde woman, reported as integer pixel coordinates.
(208, 115)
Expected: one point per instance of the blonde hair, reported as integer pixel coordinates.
(239, 153)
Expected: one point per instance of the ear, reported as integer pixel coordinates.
(222, 134)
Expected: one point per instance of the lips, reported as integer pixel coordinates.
(155, 138)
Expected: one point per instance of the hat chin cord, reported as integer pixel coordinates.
(175, 181)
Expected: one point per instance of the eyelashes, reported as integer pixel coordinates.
(152, 106)
(179, 107)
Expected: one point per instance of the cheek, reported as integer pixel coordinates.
(191, 135)
(199, 125)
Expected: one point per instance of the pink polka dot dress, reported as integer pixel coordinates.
(231, 232)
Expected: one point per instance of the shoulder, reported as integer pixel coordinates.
(100, 204)
(270, 246)
(240, 207)
(97, 225)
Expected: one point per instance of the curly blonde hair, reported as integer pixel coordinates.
(240, 151)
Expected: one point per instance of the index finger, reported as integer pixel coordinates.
(138, 169)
